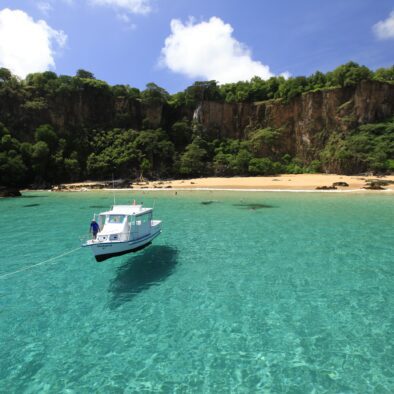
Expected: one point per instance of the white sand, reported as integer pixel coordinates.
(280, 182)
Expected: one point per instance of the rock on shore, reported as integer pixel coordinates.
(9, 192)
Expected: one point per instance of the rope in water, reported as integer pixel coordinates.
(41, 263)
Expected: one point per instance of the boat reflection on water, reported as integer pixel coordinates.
(149, 268)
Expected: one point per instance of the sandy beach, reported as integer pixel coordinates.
(284, 182)
(280, 182)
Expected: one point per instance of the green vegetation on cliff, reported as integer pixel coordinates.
(61, 128)
(368, 148)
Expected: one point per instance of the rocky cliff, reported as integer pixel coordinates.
(306, 121)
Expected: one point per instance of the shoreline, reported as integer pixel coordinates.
(202, 189)
(309, 183)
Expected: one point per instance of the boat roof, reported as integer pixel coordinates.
(127, 210)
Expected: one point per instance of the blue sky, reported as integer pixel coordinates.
(124, 41)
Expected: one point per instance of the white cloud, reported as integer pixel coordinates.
(385, 29)
(208, 50)
(131, 6)
(27, 46)
(45, 7)
(123, 17)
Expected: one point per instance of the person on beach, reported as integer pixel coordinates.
(94, 228)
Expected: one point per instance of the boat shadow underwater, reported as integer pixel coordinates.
(140, 272)
(253, 206)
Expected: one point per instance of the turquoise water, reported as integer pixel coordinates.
(252, 292)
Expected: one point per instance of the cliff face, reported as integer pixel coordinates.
(79, 110)
(103, 112)
(307, 120)
(75, 111)
(224, 120)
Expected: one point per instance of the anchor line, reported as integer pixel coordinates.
(40, 263)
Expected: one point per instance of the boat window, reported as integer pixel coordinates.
(116, 218)
(146, 218)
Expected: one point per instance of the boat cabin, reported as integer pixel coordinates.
(124, 223)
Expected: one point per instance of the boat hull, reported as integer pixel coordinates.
(102, 257)
(106, 250)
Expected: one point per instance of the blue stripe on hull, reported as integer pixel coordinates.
(102, 251)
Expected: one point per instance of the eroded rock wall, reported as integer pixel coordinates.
(307, 120)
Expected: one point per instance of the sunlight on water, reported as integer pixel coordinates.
(242, 292)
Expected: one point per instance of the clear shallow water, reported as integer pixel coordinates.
(254, 292)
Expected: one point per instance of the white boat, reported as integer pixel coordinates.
(123, 229)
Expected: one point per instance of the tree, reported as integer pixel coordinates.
(113, 151)
(154, 95)
(348, 74)
(41, 161)
(39, 80)
(41, 84)
(12, 169)
(41, 152)
(35, 105)
(264, 166)
(181, 134)
(146, 167)
(192, 162)
(72, 168)
(316, 81)
(125, 91)
(46, 134)
(155, 146)
(222, 164)
(5, 74)
(9, 143)
(384, 74)
(3, 130)
(368, 148)
(84, 74)
(241, 162)
(202, 90)
(265, 142)
(292, 87)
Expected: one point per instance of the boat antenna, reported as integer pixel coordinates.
(113, 188)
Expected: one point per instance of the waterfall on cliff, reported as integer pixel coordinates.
(197, 114)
